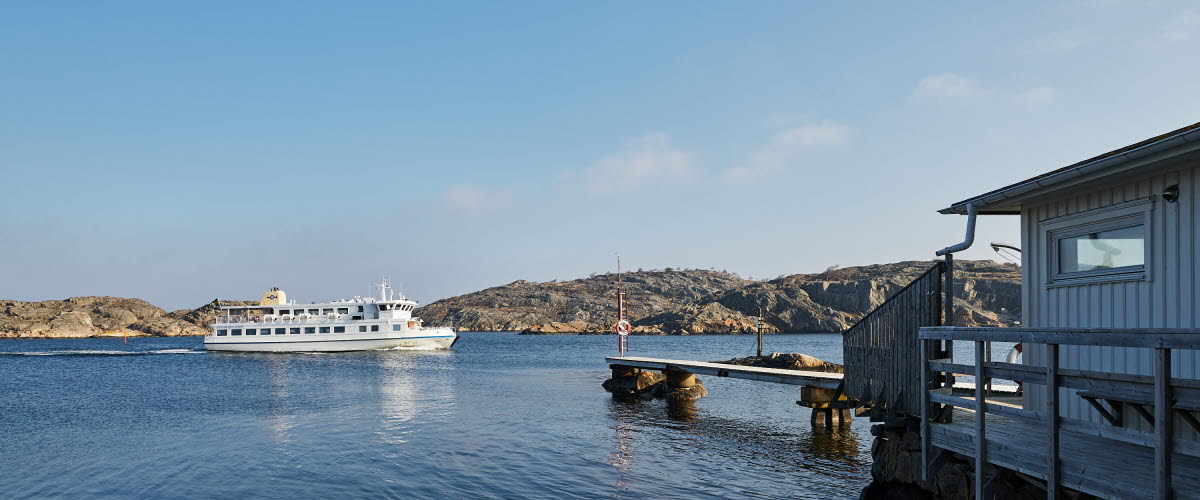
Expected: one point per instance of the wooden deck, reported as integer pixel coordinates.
(1095, 465)
(823, 380)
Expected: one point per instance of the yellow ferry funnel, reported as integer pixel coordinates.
(275, 297)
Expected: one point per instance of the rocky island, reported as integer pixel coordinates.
(696, 301)
(662, 302)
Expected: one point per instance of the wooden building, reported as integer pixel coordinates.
(1110, 300)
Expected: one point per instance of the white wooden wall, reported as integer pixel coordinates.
(1168, 298)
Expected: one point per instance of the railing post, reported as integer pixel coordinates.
(1052, 477)
(980, 421)
(948, 319)
(1162, 423)
(925, 413)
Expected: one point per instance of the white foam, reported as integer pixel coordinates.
(101, 352)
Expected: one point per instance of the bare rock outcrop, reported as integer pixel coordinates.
(99, 316)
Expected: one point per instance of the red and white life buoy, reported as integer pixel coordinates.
(622, 327)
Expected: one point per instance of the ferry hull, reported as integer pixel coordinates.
(433, 339)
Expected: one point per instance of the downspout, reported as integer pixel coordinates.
(970, 238)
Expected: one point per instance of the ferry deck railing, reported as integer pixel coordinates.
(1167, 395)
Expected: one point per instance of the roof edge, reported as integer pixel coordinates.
(1090, 167)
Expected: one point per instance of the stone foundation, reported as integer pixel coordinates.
(896, 471)
(631, 383)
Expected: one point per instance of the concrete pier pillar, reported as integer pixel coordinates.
(680, 378)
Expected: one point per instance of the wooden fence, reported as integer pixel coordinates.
(881, 351)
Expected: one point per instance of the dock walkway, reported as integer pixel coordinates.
(823, 380)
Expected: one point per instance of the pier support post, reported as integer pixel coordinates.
(680, 379)
(619, 371)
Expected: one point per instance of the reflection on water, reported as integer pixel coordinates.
(499, 416)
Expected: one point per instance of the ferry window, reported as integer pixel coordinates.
(284, 311)
(374, 328)
(1100, 245)
(343, 310)
(250, 331)
(324, 329)
(236, 332)
(360, 309)
(395, 328)
(362, 328)
(357, 317)
(339, 329)
(327, 311)
(280, 331)
(310, 330)
(221, 333)
(314, 311)
(383, 307)
(293, 331)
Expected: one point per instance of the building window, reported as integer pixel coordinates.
(236, 331)
(343, 310)
(293, 331)
(1102, 245)
(309, 329)
(395, 328)
(221, 333)
(324, 329)
(374, 328)
(362, 329)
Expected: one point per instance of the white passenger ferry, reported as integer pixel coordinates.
(362, 323)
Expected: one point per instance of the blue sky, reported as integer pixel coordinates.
(180, 151)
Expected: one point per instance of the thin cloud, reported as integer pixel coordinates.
(1183, 28)
(1036, 94)
(952, 87)
(642, 163)
(466, 199)
(948, 86)
(786, 148)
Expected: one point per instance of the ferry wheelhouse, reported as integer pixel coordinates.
(358, 324)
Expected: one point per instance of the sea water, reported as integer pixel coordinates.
(498, 416)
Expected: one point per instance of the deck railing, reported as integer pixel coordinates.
(880, 351)
(1167, 395)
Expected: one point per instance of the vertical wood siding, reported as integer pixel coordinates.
(1168, 298)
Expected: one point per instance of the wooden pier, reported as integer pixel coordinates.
(820, 391)
(823, 380)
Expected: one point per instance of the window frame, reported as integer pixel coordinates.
(1119, 216)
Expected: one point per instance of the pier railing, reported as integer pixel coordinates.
(880, 351)
(1158, 398)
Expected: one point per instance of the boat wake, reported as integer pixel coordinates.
(417, 348)
(102, 352)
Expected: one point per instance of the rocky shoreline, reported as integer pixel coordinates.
(662, 302)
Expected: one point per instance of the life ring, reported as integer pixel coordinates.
(622, 327)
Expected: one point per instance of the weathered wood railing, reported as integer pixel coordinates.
(1168, 395)
(880, 350)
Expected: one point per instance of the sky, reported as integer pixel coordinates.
(181, 151)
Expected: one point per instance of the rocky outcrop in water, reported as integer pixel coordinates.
(787, 361)
(99, 316)
(691, 302)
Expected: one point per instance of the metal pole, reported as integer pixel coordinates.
(758, 323)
